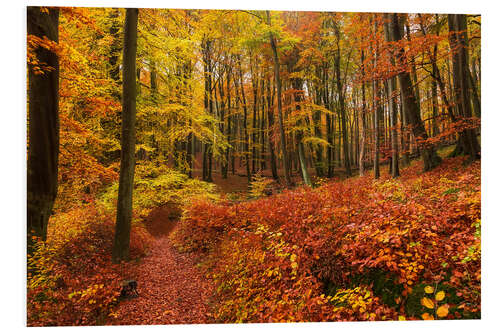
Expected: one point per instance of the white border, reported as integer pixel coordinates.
(13, 163)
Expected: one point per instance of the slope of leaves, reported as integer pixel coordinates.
(362, 249)
(71, 279)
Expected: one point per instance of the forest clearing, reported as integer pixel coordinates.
(250, 166)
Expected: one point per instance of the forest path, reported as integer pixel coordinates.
(172, 290)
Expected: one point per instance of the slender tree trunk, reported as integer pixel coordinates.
(255, 89)
(43, 122)
(391, 90)
(245, 131)
(262, 125)
(297, 86)
(376, 116)
(363, 120)
(461, 79)
(288, 179)
(270, 125)
(343, 115)
(121, 245)
(430, 157)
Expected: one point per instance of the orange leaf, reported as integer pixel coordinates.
(426, 316)
(428, 303)
(442, 311)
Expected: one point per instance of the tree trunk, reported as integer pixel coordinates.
(363, 120)
(43, 122)
(288, 179)
(376, 115)
(245, 130)
(391, 89)
(461, 78)
(121, 244)
(270, 125)
(430, 157)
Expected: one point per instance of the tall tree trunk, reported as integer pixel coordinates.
(363, 120)
(297, 87)
(376, 116)
(405, 135)
(245, 130)
(343, 115)
(288, 179)
(461, 78)
(229, 117)
(391, 90)
(121, 245)
(43, 141)
(430, 157)
(255, 89)
(262, 125)
(270, 124)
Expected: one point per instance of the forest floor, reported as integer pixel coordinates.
(172, 290)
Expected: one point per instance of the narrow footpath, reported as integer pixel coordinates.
(172, 290)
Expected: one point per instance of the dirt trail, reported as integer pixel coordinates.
(172, 289)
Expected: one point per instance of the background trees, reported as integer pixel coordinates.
(290, 95)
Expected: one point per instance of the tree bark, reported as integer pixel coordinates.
(277, 79)
(43, 122)
(391, 89)
(363, 120)
(270, 125)
(121, 246)
(430, 157)
(461, 78)
(376, 116)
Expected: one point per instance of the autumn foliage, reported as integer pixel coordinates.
(71, 279)
(210, 119)
(361, 249)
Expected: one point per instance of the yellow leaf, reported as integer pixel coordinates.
(428, 303)
(440, 296)
(293, 257)
(294, 265)
(442, 311)
(401, 318)
(429, 289)
(426, 316)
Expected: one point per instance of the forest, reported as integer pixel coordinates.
(251, 166)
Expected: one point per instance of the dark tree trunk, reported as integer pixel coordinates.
(376, 115)
(270, 125)
(343, 115)
(461, 78)
(245, 130)
(121, 244)
(391, 90)
(430, 157)
(43, 148)
(363, 121)
(288, 179)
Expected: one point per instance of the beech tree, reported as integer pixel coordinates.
(43, 119)
(411, 107)
(457, 23)
(127, 158)
(277, 79)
